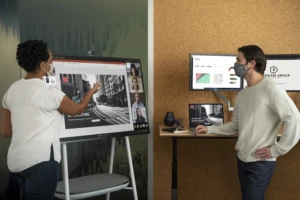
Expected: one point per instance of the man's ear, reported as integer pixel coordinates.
(253, 63)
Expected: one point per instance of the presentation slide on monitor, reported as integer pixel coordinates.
(214, 72)
(109, 110)
(284, 72)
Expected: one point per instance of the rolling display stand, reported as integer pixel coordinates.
(224, 99)
(97, 184)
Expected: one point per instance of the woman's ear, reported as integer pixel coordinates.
(42, 65)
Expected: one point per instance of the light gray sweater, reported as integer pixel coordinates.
(258, 115)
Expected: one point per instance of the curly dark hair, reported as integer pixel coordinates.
(254, 52)
(31, 53)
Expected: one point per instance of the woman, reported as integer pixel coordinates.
(139, 116)
(133, 71)
(31, 116)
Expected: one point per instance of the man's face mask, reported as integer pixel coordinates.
(240, 70)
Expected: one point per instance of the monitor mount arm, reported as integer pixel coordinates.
(224, 99)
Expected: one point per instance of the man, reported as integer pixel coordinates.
(137, 103)
(260, 110)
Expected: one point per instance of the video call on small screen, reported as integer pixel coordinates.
(137, 95)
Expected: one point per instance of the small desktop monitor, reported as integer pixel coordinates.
(284, 70)
(213, 72)
(207, 114)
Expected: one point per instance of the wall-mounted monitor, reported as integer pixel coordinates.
(213, 72)
(206, 114)
(117, 109)
(284, 70)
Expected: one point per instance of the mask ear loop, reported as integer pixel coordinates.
(48, 73)
(42, 68)
(249, 67)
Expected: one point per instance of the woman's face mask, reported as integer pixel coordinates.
(50, 72)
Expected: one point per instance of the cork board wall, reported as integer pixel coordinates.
(207, 167)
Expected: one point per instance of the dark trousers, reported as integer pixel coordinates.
(255, 178)
(35, 183)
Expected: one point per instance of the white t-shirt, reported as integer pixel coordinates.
(258, 114)
(36, 123)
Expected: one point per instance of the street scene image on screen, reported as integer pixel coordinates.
(109, 106)
(205, 114)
